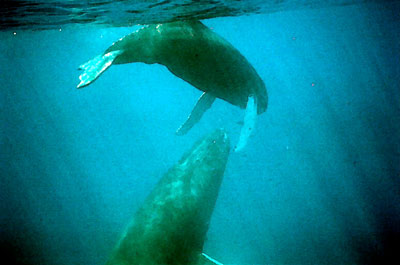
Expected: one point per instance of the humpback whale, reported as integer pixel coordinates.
(171, 226)
(196, 54)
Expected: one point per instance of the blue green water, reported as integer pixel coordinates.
(318, 183)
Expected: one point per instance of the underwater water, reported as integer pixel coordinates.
(317, 183)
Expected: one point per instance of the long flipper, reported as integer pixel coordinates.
(205, 259)
(95, 67)
(249, 123)
(203, 104)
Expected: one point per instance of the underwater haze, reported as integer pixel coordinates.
(317, 183)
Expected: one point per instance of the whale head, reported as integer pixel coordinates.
(171, 225)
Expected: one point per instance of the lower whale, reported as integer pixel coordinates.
(196, 54)
(171, 226)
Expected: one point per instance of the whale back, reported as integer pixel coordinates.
(196, 54)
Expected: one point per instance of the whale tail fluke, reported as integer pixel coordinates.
(248, 124)
(203, 104)
(95, 67)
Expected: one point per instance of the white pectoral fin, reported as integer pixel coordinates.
(203, 104)
(249, 123)
(211, 260)
(95, 67)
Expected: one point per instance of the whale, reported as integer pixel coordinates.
(197, 55)
(171, 225)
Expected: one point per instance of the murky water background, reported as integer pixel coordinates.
(317, 184)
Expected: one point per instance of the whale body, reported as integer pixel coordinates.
(196, 54)
(171, 226)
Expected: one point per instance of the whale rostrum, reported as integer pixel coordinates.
(171, 226)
